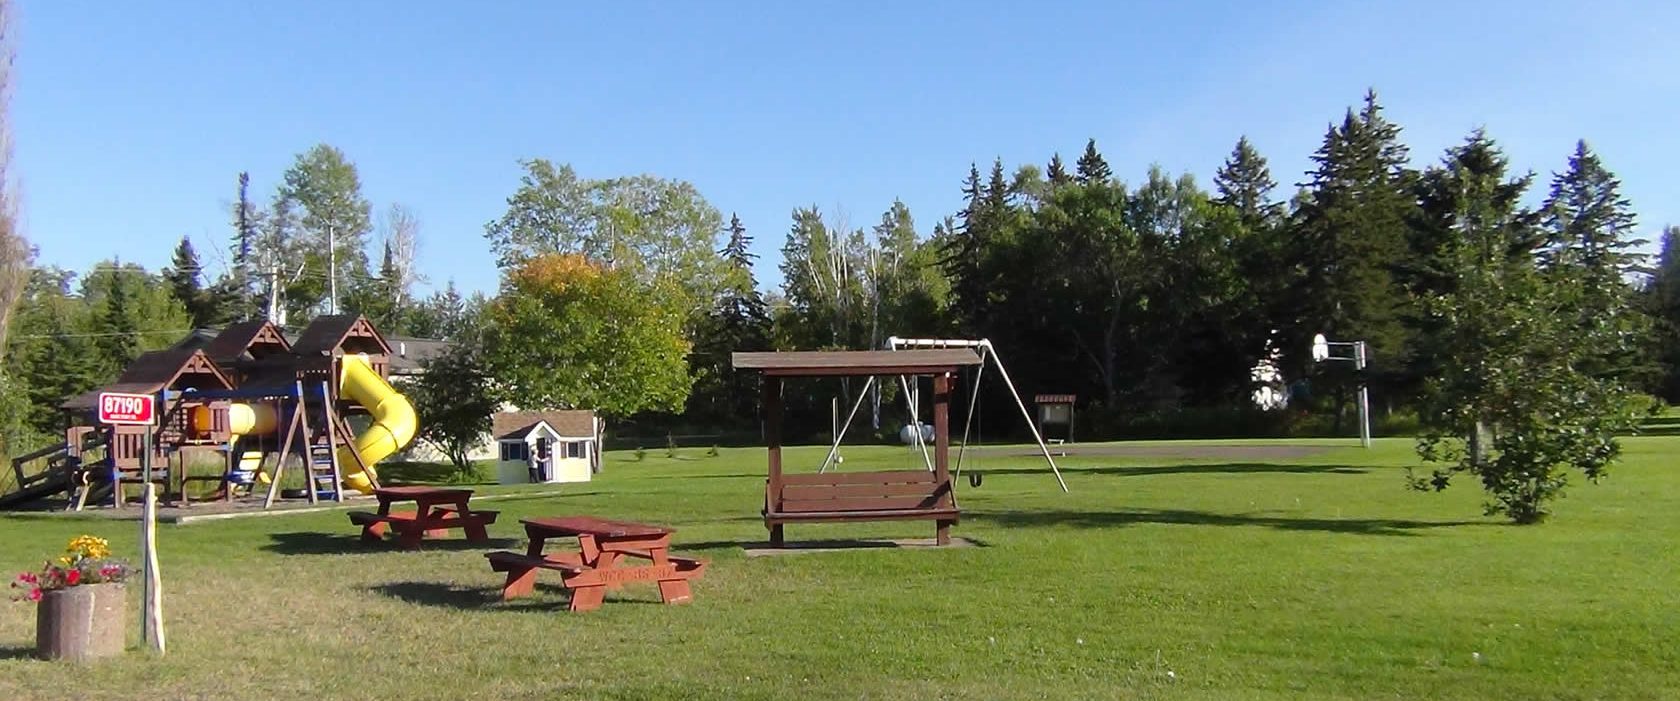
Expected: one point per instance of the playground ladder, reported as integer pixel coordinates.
(324, 477)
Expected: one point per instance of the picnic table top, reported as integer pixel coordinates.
(412, 492)
(590, 525)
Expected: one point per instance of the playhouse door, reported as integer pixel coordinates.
(542, 462)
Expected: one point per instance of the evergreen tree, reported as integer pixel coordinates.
(119, 341)
(1091, 167)
(739, 322)
(243, 300)
(1588, 222)
(1589, 234)
(961, 250)
(1244, 183)
(1663, 304)
(1347, 236)
(1056, 172)
(183, 278)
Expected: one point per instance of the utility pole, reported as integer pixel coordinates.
(332, 269)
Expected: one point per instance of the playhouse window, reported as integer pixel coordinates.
(574, 449)
(515, 451)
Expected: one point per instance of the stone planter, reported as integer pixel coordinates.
(81, 623)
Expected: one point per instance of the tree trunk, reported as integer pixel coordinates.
(1479, 440)
(81, 623)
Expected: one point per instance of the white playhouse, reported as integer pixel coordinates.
(546, 446)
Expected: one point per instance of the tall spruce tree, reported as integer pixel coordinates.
(1589, 228)
(1244, 183)
(961, 255)
(740, 321)
(245, 301)
(1091, 167)
(1056, 172)
(1663, 304)
(183, 278)
(1348, 234)
(119, 340)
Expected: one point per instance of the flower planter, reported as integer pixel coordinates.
(81, 623)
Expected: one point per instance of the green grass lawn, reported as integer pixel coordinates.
(1317, 577)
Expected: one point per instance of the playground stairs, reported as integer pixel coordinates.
(57, 475)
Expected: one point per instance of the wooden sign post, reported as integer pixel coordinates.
(140, 409)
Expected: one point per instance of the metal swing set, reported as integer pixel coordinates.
(911, 396)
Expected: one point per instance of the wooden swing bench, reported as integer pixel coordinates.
(861, 496)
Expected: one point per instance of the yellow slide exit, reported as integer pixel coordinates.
(394, 422)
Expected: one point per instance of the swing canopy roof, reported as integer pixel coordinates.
(856, 363)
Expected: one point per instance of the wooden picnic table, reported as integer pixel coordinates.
(436, 510)
(596, 565)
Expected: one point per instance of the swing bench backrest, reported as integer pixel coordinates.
(860, 496)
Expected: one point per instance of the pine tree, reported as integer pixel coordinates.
(1589, 233)
(247, 254)
(1347, 237)
(961, 252)
(1663, 304)
(183, 278)
(119, 342)
(1091, 167)
(739, 322)
(1056, 172)
(1245, 184)
(1589, 224)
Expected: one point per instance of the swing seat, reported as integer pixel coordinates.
(861, 496)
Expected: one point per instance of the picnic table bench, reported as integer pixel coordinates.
(596, 567)
(437, 510)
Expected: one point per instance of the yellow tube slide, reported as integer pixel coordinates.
(394, 422)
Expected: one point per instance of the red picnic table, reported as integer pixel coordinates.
(436, 510)
(595, 566)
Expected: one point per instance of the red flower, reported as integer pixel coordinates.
(72, 577)
(35, 594)
(28, 578)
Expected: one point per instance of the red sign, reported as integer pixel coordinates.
(117, 408)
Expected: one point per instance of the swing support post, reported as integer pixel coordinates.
(986, 349)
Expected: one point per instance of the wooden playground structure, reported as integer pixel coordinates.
(237, 412)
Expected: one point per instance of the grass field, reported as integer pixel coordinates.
(1242, 574)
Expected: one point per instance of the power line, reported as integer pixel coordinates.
(101, 334)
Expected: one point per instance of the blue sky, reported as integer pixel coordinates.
(132, 120)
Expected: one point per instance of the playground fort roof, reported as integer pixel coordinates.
(177, 368)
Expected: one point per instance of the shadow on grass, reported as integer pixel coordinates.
(1128, 517)
(430, 473)
(466, 598)
(308, 543)
(8, 652)
(1193, 469)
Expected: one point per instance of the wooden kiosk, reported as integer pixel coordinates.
(859, 496)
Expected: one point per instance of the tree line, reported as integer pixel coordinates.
(1153, 300)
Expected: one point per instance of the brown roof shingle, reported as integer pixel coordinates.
(234, 340)
(329, 331)
(571, 423)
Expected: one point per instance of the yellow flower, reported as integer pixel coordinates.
(88, 546)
